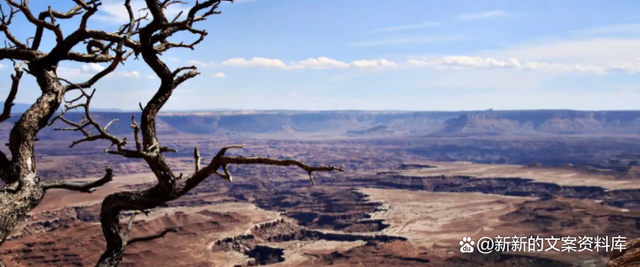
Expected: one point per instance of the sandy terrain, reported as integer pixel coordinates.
(200, 228)
(560, 176)
(198, 245)
(297, 252)
(434, 219)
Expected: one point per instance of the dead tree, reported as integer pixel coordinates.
(23, 188)
(154, 39)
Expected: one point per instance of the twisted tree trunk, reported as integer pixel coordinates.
(14, 205)
(24, 190)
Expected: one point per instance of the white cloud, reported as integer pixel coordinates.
(311, 63)
(407, 27)
(320, 63)
(92, 68)
(2, 66)
(482, 15)
(595, 55)
(382, 63)
(172, 59)
(450, 62)
(593, 51)
(478, 62)
(72, 73)
(465, 62)
(128, 74)
(256, 62)
(219, 75)
(203, 64)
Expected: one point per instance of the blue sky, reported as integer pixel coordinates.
(375, 55)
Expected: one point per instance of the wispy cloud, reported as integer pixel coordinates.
(407, 27)
(92, 68)
(469, 62)
(256, 62)
(482, 15)
(319, 63)
(382, 63)
(219, 75)
(452, 62)
(406, 41)
(612, 29)
(203, 64)
(591, 51)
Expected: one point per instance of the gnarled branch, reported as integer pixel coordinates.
(8, 104)
(160, 234)
(20, 173)
(40, 23)
(196, 155)
(88, 123)
(4, 27)
(95, 78)
(153, 40)
(222, 160)
(76, 10)
(85, 188)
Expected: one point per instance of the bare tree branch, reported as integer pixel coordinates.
(98, 76)
(89, 58)
(26, 11)
(222, 161)
(21, 54)
(6, 21)
(136, 133)
(275, 162)
(153, 40)
(113, 37)
(8, 104)
(196, 155)
(85, 188)
(27, 189)
(76, 10)
(130, 224)
(88, 123)
(160, 234)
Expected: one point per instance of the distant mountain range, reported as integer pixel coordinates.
(375, 123)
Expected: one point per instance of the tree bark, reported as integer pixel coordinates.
(25, 191)
(115, 203)
(14, 205)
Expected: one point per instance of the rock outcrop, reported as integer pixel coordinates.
(627, 258)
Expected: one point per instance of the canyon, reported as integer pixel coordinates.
(415, 184)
